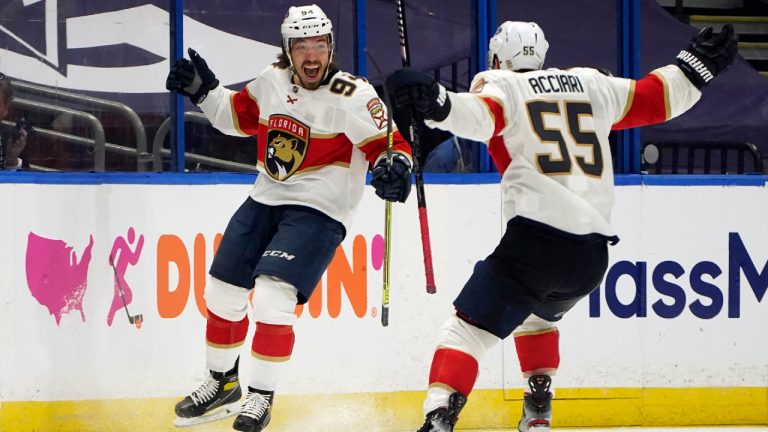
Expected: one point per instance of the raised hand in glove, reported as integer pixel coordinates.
(392, 183)
(191, 78)
(708, 55)
(17, 144)
(420, 92)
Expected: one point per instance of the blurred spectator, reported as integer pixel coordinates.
(12, 146)
(454, 155)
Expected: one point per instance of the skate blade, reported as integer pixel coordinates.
(221, 413)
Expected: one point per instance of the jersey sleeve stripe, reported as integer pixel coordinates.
(649, 105)
(368, 140)
(245, 112)
(628, 103)
(667, 104)
(496, 112)
(499, 153)
(235, 121)
(376, 146)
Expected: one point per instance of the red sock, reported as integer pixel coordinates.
(221, 333)
(273, 342)
(538, 350)
(453, 368)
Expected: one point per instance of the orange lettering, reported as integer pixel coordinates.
(316, 300)
(201, 271)
(354, 278)
(171, 250)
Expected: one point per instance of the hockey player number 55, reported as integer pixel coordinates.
(573, 111)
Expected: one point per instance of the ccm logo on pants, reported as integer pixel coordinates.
(279, 254)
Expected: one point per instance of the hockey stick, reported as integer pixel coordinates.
(387, 242)
(422, 201)
(388, 204)
(133, 319)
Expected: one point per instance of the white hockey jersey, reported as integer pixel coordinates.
(314, 146)
(547, 133)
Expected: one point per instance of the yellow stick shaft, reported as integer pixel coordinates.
(387, 243)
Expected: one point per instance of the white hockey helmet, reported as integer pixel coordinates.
(518, 45)
(305, 21)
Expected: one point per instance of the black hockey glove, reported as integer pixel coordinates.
(392, 184)
(420, 92)
(708, 55)
(191, 78)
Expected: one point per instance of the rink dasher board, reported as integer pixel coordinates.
(686, 338)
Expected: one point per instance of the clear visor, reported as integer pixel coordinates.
(306, 46)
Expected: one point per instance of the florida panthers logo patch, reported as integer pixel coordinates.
(287, 140)
(376, 109)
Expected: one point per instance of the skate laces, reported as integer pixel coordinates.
(255, 406)
(206, 391)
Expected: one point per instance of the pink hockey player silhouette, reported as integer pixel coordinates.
(120, 257)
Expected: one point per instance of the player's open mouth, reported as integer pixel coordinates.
(312, 72)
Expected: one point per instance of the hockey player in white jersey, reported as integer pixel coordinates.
(547, 132)
(318, 131)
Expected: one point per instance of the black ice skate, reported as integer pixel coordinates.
(537, 405)
(215, 399)
(444, 418)
(256, 412)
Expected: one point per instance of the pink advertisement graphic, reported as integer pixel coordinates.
(55, 277)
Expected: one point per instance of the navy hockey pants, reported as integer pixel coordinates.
(535, 269)
(293, 243)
